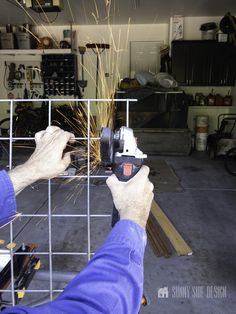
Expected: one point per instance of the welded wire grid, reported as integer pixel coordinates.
(50, 215)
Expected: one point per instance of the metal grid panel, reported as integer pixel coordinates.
(50, 253)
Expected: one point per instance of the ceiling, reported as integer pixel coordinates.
(84, 12)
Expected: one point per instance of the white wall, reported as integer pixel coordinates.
(212, 112)
(233, 93)
(192, 25)
(116, 61)
(119, 37)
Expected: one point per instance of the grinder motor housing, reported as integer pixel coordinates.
(120, 150)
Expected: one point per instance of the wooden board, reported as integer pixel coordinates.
(157, 239)
(173, 235)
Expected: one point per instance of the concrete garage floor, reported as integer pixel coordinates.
(203, 211)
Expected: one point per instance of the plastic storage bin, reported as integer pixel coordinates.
(25, 40)
(8, 41)
(208, 31)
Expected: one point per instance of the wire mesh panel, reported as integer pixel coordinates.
(67, 219)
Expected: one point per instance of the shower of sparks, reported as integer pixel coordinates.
(105, 111)
(104, 114)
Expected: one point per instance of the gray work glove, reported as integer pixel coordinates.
(47, 161)
(133, 199)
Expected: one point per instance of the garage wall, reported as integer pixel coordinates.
(233, 93)
(192, 25)
(119, 36)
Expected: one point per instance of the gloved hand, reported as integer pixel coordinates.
(47, 161)
(133, 198)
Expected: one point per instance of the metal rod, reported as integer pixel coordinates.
(11, 223)
(5, 290)
(64, 215)
(32, 138)
(47, 253)
(83, 177)
(88, 180)
(49, 111)
(97, 75)
(84, 100)
(50, 216)
(127, 113)
(57, 275)
(53, 215)
(11, 134)
(50, 236)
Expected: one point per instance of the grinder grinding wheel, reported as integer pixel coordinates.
(107, 145)
(119, 150)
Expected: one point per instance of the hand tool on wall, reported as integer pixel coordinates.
(25, 93)
(30, 75)
(11, 76)
(98, 50)
(82, 82)
(228, 26)
(19, 75)
(119, 149)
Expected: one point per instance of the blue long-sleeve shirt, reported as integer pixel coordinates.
(7, 199)
(112, 282)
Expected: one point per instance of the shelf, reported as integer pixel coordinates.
(33, 51)
(211, 107)
(154, 91)
(169, 92)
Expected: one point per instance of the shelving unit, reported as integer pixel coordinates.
(59, 73)
(212, 107)
(33, 51)
(203, 63)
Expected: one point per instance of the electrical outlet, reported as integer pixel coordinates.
(107, 74)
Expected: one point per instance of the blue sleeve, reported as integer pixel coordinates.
(112, 282)
(7, 199)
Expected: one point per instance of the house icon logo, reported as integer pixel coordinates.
(163, 293)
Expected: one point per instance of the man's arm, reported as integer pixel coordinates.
(47, 161)
(7, 199)
(112, 282)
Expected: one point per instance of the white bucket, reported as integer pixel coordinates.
(209, 35)
(201, 132)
